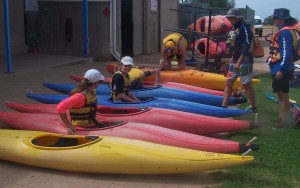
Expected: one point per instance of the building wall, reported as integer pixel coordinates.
(150, 29)
(17, 31)
(147, 26)
(59, 36)
(169, 18)
(138, 15)
(52, 27)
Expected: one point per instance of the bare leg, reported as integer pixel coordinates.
(182, 53)
(227, 91)
(181, 63)
(284, 106)
(166, 65)
(157, 76)
(252, 98)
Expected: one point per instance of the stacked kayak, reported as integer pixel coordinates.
(192, 77)
(146, 132)
(201, 48)
(216, 49)
(171, 104)
(159, 92)
(172, 119)
(219, 25)
(104, 154)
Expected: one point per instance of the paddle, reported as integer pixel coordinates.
(294, 108)
(271, 97)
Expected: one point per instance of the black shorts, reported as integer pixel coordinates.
(136, 84)
(147, 73)
(283, 84)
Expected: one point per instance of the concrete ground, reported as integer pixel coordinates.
(30, 71)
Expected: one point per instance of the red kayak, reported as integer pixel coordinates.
(166, 84)
(172, 119)
(139, 131)
(219, 25)
(201, 48)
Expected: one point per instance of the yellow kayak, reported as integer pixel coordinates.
(97, 154)
(198, 78)
(192, 77)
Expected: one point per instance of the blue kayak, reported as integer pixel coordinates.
(160, 92)
(172, 104)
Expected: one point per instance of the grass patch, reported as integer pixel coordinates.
(277, 162)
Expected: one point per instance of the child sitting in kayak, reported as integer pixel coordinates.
(120, 84)
(82, 102)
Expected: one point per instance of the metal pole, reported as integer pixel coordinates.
(208, 35)
(85, 28)
(7, 37)
(193, 50)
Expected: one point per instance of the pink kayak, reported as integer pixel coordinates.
(139, 131)
(172, 119)
(170, 85)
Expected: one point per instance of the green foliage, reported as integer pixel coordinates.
(268, 20)
(214, 3)
(277, 161)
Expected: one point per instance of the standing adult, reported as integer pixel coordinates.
(241, 64)
(174, 45)
(281, 61)
(82, 103)
(120, 84)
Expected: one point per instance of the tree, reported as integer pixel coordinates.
(213, 3)
(268, 20)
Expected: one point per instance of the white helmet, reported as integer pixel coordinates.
(93, 75)
(127, 61)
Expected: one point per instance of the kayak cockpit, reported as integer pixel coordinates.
(142, 100)
(110, 110)
(60, 141)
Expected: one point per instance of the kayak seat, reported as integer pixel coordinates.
(56, 141)
(92, 137)
(65, 142)
(60, 142)
(119, 111)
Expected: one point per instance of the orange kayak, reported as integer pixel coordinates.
(192, 77)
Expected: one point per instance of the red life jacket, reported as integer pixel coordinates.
(274, 48)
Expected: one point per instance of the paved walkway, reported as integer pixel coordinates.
(30, 70)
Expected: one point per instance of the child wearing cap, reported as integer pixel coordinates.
(174, 45)
(241, 63)
(82, 103)
(120, 84)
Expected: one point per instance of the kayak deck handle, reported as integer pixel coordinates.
(245, 153)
